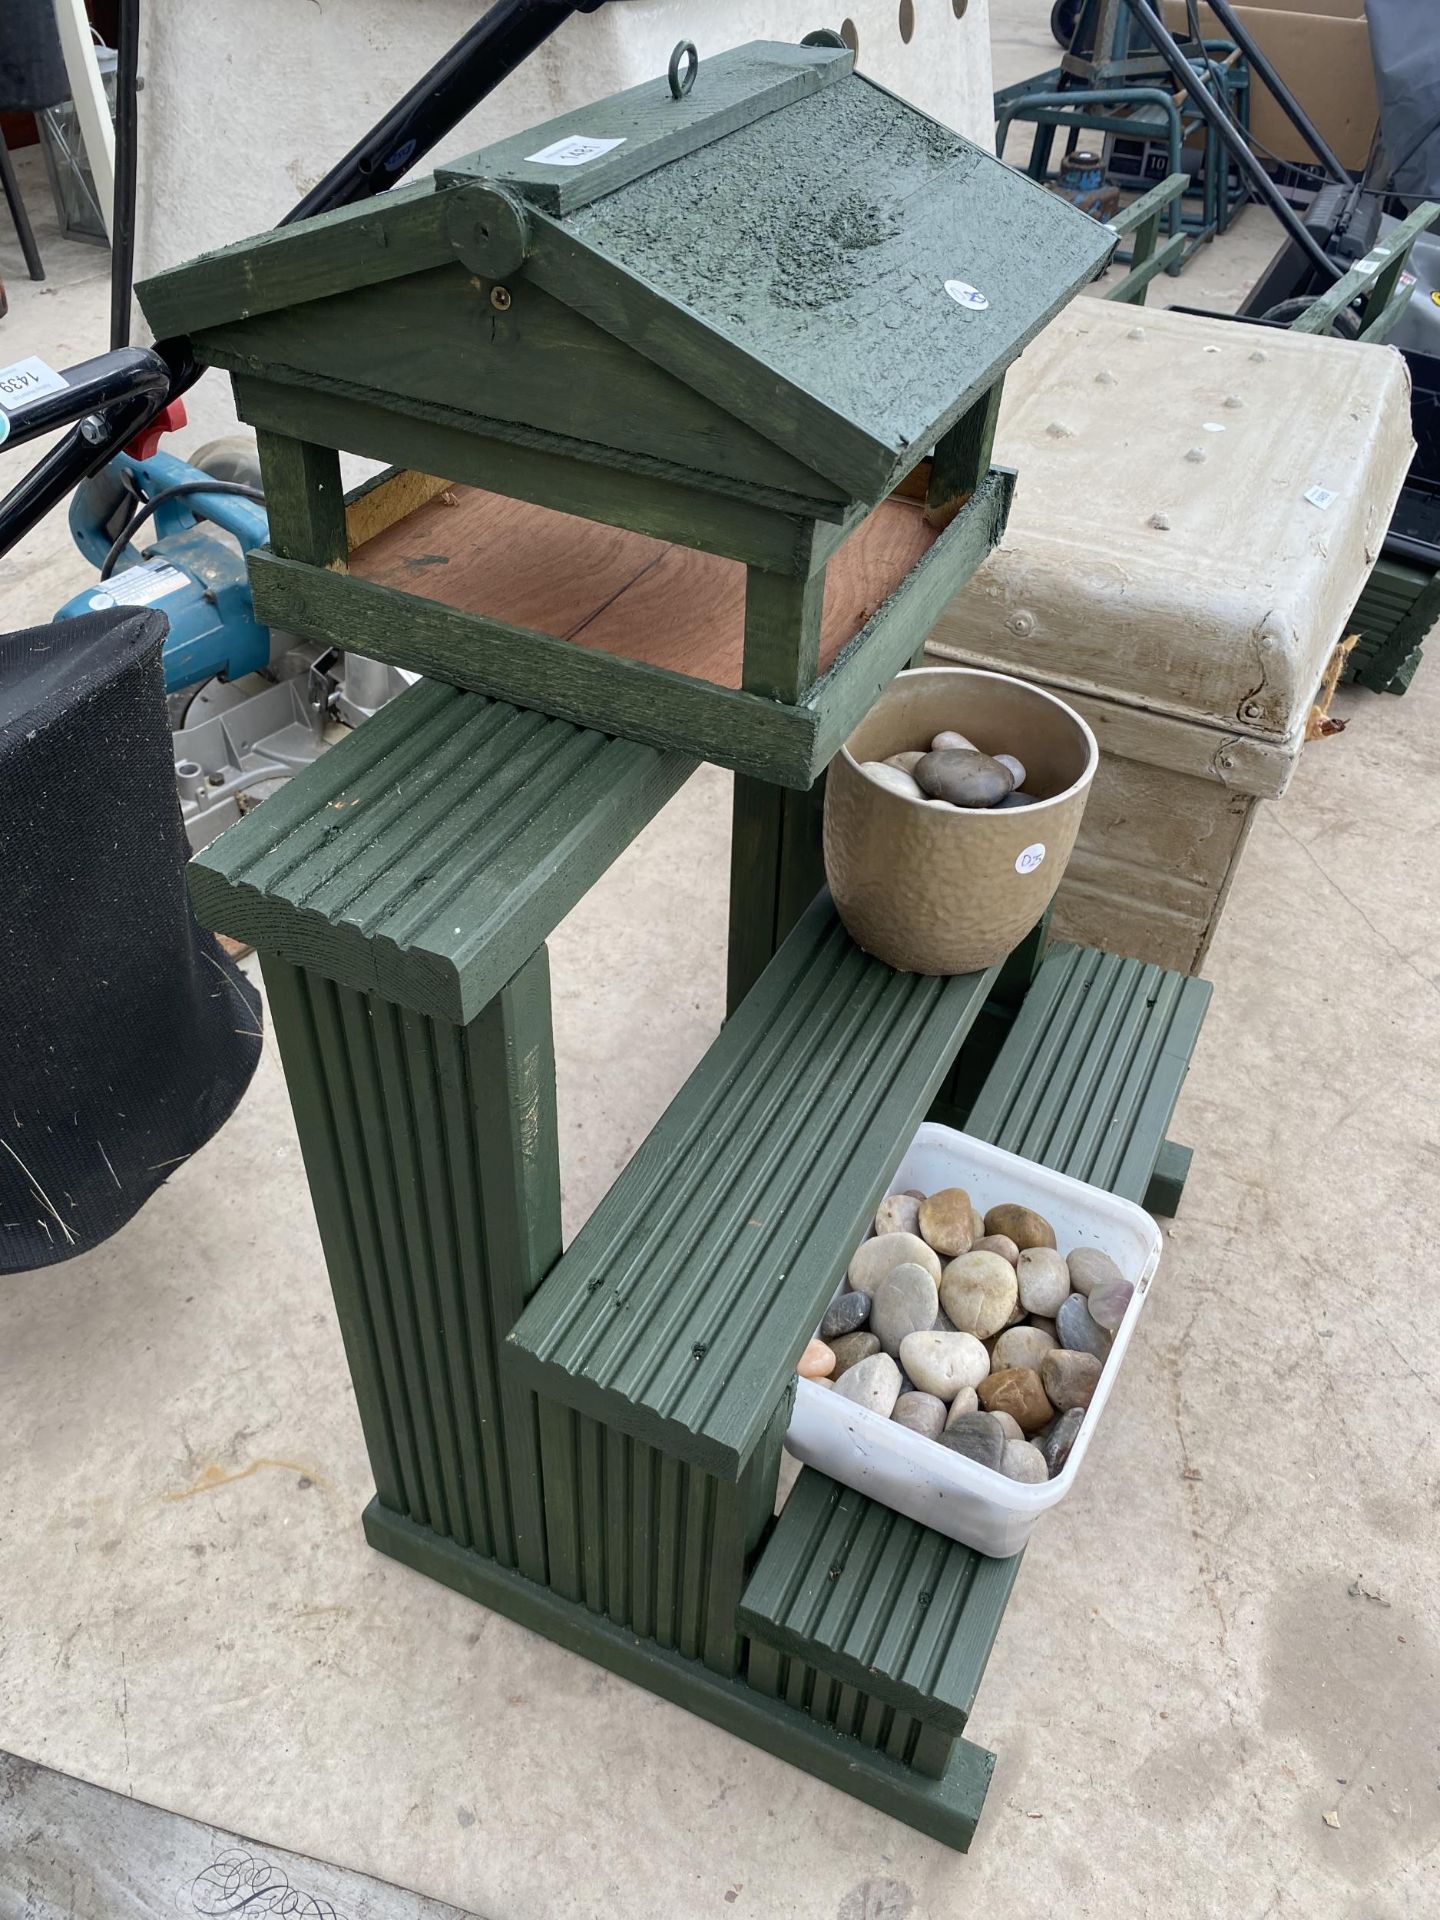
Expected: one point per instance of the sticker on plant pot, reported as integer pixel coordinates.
(964, 295)
(1031, 857)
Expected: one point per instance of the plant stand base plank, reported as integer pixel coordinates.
(947, 1809)
(1399, 606)
(679, 1312)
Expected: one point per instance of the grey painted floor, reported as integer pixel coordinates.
(70, 1851)
(1217, 1691)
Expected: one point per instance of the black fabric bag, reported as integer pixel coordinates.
(126, 1034)
(32, 67)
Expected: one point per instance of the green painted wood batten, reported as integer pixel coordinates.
(1088, 1077)
(680, 1310)
(647, 127)
(947, 1808)
(427, 856)
(876, 1600)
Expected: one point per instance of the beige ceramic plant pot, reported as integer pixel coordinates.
(935, 890)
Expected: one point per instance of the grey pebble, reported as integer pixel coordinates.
(1008, 1422)
(1044, 1280)
(978, 1437)
(872, 1383)
(1109, 1301)
(1056, 1440)
(964, 779)
(920, 1413)
(905, 1302)
(1018, 799)
(848, 1314)
(1078, 1331)
(1021, 1461)
(1089, 1267)
(850, 1349)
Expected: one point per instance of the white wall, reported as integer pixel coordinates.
(247, 103)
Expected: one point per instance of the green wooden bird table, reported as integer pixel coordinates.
(686, 403)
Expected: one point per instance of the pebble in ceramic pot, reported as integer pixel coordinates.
(964, 779)
(1089, 1267)
(976, 1436)
(873, 1383)
(944, 1363)
(906, 1301)
(1017, 799)
(920, 1413)
(851, 1348)
(893, 778)
(1069, 1379)
(906, 762)
(1012, 766)
(1021, 1461)
(947, 1221)
(995, 1243)
(951, 742)
(873, 1259)
(898, 1213)
(1017, 1391)
(1078, 1331)
(816, 1362)
(1022, 1225)
(848, 1314)
(1044, 1280)
(1019, 1347)
(979, 1292)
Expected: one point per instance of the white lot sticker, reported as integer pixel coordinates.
(964, 295)
(1030, 859)
(28, 379)
(1321, 497)
(573, 152)
(138, 587)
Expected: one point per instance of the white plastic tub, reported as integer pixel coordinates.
(916, 1476)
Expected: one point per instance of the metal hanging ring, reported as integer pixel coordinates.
(684, 65)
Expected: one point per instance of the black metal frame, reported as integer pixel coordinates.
(117, 395)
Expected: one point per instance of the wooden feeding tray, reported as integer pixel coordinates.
(620, 592)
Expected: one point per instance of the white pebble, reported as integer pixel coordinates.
(1009, 760)
(950, 741)
(893, 779)
(907, 762)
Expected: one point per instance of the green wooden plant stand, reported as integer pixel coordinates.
(690, 443)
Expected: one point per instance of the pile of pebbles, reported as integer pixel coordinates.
(973, 1330)
(954, 773)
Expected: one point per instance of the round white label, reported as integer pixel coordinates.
(99, 601)
(1030, 859)
(964, 295)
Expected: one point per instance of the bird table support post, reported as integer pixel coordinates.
(776, 862)
(304, 500)
(959, 463)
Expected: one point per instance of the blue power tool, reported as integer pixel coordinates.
(192, 567)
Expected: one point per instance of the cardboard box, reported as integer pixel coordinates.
(1321, 50)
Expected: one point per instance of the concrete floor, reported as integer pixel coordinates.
(1217, 1690)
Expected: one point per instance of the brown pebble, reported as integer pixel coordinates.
(1022, 1225)
(817, 1362)
(996, 1243)
(851, 1348)
(1069, 1378)
(1018, 1392)
(945, 1219)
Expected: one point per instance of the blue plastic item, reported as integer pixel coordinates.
(178, 564)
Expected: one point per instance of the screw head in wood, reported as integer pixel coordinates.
(500, 299)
